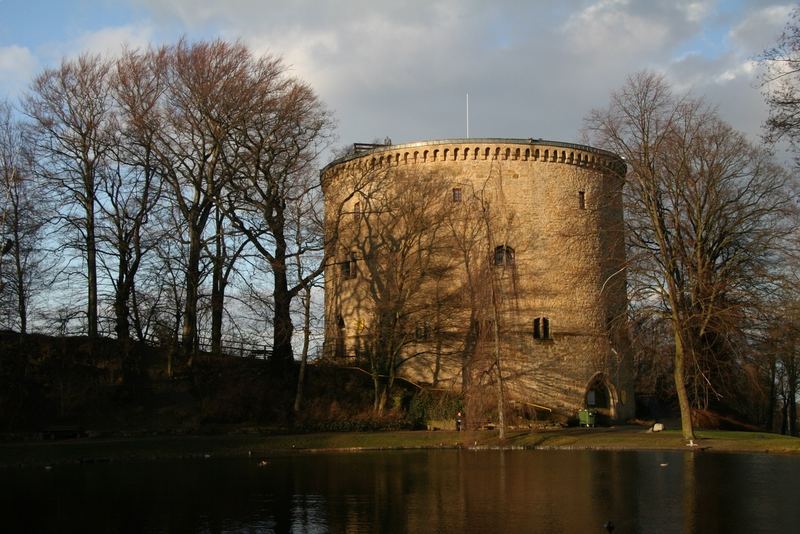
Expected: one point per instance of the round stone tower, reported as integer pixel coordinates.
(524, 269)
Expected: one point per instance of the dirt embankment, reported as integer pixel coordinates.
(57, 386)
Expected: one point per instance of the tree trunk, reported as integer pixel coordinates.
(470, 345)
(282, 323)
(791, 386)
(501, 423)
(380, 395)
(437, 368)
(389, 388)
(137, 320)
(437, 328)
(769, 418)
(121, 313)
(217, 311)
(22, 299)
(91, 267)
(298, 398)
(217, 289)
(501, 419)
(190, 341)
(680, 387)
(784, 416)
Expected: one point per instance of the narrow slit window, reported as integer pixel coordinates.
(456, 194)
(348, 266)
(582, 200)
(541, 328)
(422, 331)
(504, 255)
(357, 211)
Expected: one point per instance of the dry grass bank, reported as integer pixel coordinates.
(616, 438)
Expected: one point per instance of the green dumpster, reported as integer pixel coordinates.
(586, 417)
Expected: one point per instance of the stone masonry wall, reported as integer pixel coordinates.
(564, 205)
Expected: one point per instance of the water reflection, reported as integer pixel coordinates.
(417, 491)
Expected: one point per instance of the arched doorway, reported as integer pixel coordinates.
(600, 397)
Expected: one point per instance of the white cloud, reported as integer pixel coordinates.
(17, 66)
(193, 13)
(531, 68)
(697, 11)
(250, 15)
(109, 41)
(301, 52)
(745, 69)
(112, 40)
(16, 59)
(641, 33)
(615, 30)
(760, 28)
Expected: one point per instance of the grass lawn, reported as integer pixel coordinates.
(615, 438)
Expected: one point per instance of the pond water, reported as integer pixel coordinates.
(412, 491)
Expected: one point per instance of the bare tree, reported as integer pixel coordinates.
(707, 219)
(418, 274)
(224, 249)
(72, 123)
(781, 345)
(280, 143)
(780, 79)
(131, 187)
(22, 218)
(305, 211)
(164, 299)
(475, 224)
(207, 97)
(501, 262)
(391, 247)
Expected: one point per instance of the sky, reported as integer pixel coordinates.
(402, 69)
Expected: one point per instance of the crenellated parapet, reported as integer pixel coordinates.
(533, 151)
